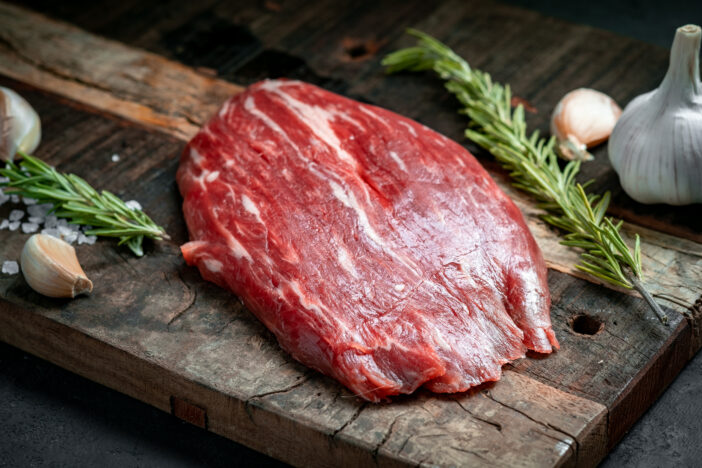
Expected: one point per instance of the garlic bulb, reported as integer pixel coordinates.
(51, 268)
(656, 147)
(583, 118)
(20, 128)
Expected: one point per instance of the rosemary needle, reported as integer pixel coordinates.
(73, 198)
(532, 164)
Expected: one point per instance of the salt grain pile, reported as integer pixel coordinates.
(38, 215)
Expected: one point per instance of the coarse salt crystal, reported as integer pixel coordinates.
(36, 219)
(39, 210)
(29, 201)
(14, 225)
(53, 232)
(3, 198)
(14, 198)
(29, 228)
(115, 157)
(16, 215)
(51, 222)
(83, 239)
(4, 180)
(70, 237)
(10, 267)
(4, 224)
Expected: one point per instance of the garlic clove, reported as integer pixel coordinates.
(583, 118)
(20, 127)
(51, 268)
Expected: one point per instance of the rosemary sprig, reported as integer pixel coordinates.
(73, 198)
(533, 164)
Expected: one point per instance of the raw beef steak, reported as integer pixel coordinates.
(376, 250)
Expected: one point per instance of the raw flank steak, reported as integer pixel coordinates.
(378, 251)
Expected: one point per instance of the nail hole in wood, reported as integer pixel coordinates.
(359, 49)
(584, 324)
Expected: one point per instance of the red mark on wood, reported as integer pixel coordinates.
(189, 412)
(272, 6)
(516, 100)
(359, 49)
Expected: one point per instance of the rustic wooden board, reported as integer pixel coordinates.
(154, 330)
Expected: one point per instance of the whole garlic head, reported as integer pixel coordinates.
(583, 118)
(656, 147)
(20, 128)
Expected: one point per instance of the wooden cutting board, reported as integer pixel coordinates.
(154, 330)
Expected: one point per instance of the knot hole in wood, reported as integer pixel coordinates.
(584, 324)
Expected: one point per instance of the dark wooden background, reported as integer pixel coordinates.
(78, 427)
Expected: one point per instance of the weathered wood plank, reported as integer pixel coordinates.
(155, 313)
(131, 83)
(63, 59)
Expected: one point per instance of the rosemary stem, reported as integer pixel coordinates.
(639, 286)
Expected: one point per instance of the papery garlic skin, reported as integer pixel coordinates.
(20, 127)
(50, 266)
(656, 147)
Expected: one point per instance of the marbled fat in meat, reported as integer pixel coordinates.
(377, 251)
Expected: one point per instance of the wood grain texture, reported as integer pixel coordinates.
(168, 330)
(155, 330)
(169, 90)
(107, 74)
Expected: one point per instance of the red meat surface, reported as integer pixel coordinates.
(378, 251)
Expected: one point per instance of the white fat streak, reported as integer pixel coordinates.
(345, 261)
(225, 109)
(304, 301)
(251, 207)
(531, 299)
(237, 249)
(349, 201)
(399, 287)
(316, 118)
(373, 115)
(195, 156)
(212, 176)
(215, 266)
(396, 157)
(250, 107)
(438, 337)
(409, 128)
